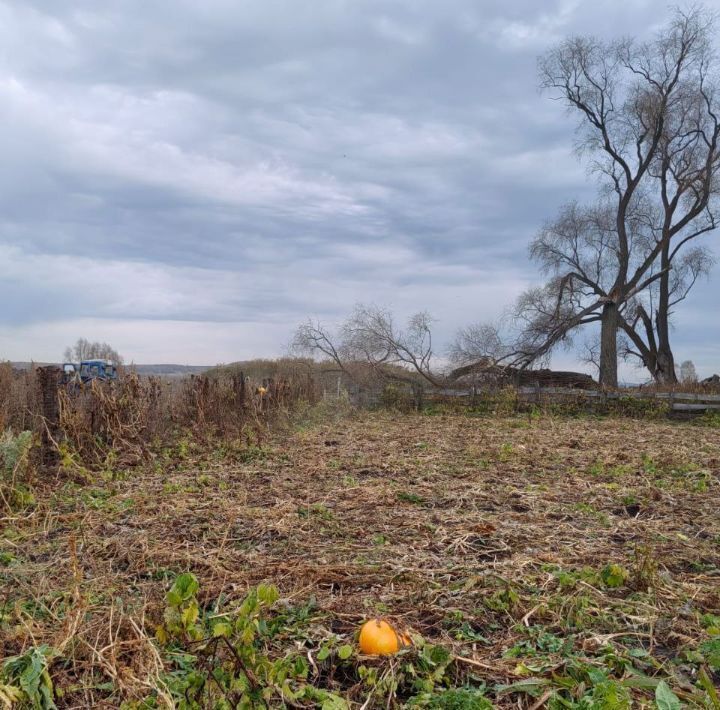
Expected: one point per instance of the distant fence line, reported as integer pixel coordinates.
(677, 401)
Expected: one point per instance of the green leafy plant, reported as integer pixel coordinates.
(423, 672)
(225, 660)
(711, 624)
(15, 469)
(453, 699)
(614, 576)
(26, 678)
(710, 651)
(665, 699)
(406, 497)
(182, 610)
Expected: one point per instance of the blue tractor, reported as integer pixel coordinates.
(89, 370)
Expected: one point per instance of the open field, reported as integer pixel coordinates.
(561, 562)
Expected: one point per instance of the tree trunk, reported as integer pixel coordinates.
(665, 360)
(665, 373)
(666, 369)
(608, 346)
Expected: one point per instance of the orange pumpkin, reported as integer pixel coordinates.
(379, 638)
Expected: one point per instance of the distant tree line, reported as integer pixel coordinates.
(86, 350)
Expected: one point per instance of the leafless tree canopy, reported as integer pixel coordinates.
(479, 343)
(688, 375)
(85, 350)
(370, 336)
(649, 129)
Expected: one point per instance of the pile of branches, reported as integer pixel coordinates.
(486, 372)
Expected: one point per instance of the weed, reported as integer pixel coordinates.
(252, 453)
(710, 651)
(644, 571)
(406, 497)
(454, 699)
(711, 624)
(539, 642)
(649, 465)
(317, 510)
(26, 678)
(597, 468)
(507, 451)
(15, 470)
(614, 576)
(502, 600)
(709, 418)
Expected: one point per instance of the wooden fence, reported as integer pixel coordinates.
(680, 402)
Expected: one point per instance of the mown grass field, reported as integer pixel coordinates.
(535, 561)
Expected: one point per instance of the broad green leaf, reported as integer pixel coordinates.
(614, 576)
(189, 615)
(597, 676)
(184, 587)
(267, 593)
(344, 652)
(222, 629)
(665, 699)
(334, 702)
(532, 686)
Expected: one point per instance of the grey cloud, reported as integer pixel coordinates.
(216, 162)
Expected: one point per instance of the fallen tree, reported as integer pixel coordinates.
(486, 373)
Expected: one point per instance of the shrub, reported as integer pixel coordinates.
(397, 397)
(15, 469)
(25, 679)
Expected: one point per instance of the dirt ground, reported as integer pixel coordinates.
(521, 544)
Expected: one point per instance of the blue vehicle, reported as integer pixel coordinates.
(89, 370)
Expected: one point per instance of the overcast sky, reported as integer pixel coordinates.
(189, 179)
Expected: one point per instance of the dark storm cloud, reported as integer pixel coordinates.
(248, 164)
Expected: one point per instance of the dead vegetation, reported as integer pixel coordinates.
(538, 561)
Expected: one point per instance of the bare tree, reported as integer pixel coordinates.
(370, 334)
(649, 127)
(483, 343)
(538, 323)
(83, 349)
(688, 374)
(369, 338)
(315, 339)
(651, 311)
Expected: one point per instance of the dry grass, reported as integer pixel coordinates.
(481, 534)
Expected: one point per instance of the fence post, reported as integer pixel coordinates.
(48, 382)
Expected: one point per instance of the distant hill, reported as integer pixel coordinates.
(169, 369)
